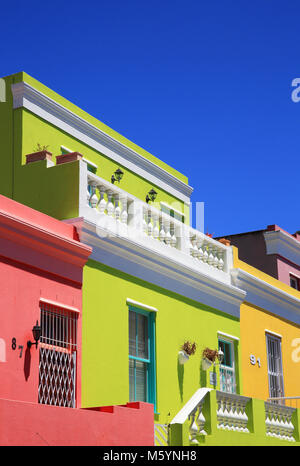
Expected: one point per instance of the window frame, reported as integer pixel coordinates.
(232, 357)
(279, 373)
(173, 213)
(297, 280)
(151, 360)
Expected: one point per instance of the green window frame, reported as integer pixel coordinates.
(142, 361)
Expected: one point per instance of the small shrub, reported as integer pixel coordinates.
(189, 348)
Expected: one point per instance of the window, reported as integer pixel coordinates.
(295, 282)
(227, 368)
(172, 212)
(275, 373)
(142, 379)
(57, 358)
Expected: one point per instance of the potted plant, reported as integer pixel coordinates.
(209, 357)
(187, 350)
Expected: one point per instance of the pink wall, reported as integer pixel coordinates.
(37, 425)
(39, 258)
(285, 268)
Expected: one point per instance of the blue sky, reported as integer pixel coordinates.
(205, 86)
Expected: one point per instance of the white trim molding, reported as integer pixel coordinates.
(231, 337)
(267, 296)
(174, 272)
(273, 333)
(51, 111)
(60, 305)
(132, 302)
(283, 244)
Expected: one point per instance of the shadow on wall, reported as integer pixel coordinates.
(27, 361)
(180, 375)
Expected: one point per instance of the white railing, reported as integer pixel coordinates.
(279, 421)
(193, 412)
(231, 412)
(120, 213)
(291, 401)
(227, 379)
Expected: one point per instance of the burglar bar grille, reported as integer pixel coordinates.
(275, 368)
(57, 366)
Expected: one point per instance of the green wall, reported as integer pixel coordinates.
(45, 189)
(105, 379)
(6, 142)
(37, 131)
(94, 121)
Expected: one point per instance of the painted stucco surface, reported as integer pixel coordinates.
(285, 269)
(39, 260)
(254, 323)
(56, 426)
(43, 189)
(36, 131)
(78, 111)
(105, 374)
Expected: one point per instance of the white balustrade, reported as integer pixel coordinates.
(231, 412)
(160, 227)
(206, 250)
(149, 225)
(196, 423)
(193, 413)
(104, 198)
(279, 421)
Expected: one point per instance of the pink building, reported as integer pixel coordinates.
(273, 250)
(41, 272)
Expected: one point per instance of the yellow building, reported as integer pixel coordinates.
(270, 335)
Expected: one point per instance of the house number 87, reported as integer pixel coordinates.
(253, 360)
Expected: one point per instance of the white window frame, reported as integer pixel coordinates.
(227, 369)
(277, 373)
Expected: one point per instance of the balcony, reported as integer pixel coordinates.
(212, 417)
(119, 215)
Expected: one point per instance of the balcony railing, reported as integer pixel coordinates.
(236, 414)
(118, 213)
(279, 421)
(231, 414)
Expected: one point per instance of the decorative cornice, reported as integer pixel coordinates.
(37, 238)
(48, 109)
(149, 265)
(283, 244)
(267, 296)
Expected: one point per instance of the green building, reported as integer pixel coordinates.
(152, 282)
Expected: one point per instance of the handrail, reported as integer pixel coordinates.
(189, 407)
(192, 410)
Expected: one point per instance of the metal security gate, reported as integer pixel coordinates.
(58, 349)
(275, 367)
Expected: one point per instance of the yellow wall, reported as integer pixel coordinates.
(254, 322)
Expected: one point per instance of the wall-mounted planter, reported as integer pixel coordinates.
(206, 363)
(183, 357)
